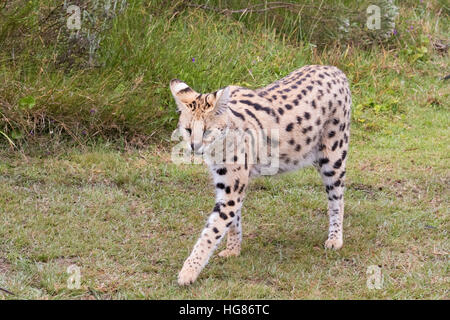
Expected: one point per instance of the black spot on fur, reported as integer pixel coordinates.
(237, 114)
(329, 173)
(289, 127)
(337, 164)
(236, 185)
(335, 145)
(251, 114)
(223, 216)
(257, 106)
(323, 161)
(222, 171)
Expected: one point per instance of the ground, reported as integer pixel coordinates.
(129, 219)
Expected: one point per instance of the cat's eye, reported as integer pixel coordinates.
(189, 130)
(206, 133)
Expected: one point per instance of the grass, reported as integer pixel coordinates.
(129, 219)
(45, 90)
(75, 192)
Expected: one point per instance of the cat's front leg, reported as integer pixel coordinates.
(230, 183)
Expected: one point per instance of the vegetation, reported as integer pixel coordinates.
(78, 186)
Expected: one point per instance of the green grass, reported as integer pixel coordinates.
(129, 219)
(124, 92)
(75, 192)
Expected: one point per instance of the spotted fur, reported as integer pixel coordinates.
(310, 108)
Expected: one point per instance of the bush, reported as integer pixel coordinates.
(110, 79)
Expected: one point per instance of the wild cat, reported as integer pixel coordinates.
(309, 110)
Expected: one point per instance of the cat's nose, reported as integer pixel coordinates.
(195, 146)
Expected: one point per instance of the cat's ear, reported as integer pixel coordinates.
(221, 99)
(183, 94)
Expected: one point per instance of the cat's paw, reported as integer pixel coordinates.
(334, 243)
(187, 276)
(229, 253)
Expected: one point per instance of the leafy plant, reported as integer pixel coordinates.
(366, 112)
(27, 102)
(418, 50)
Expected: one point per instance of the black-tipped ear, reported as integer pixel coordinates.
(183, 94)
(182, 91)
(177, 85)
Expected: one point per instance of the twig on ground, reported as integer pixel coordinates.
(7, 291)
